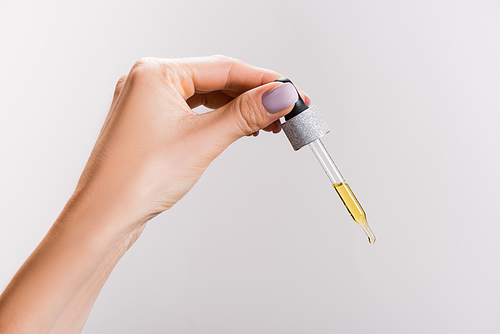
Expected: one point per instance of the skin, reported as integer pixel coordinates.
(151, 150)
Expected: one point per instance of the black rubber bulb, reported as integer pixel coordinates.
(300, 105)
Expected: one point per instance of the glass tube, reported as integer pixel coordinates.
(341, 187)
(326, 161)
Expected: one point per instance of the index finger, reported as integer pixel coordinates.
(206, 74)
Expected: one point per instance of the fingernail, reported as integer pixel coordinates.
(280, 97)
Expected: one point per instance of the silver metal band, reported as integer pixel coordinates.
(304, 128)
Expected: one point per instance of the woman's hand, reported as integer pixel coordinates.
(153, 147)
(151, 150)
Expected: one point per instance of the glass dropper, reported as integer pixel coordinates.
(304, 126)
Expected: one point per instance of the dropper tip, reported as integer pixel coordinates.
(369, 233)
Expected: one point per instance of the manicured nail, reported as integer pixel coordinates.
(280, 97)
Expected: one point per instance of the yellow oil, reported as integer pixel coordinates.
(352, 205)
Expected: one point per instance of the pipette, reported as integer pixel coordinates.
(305, 126)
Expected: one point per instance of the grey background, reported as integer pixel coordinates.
(262, 244)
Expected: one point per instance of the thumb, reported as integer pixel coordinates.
(252, 111)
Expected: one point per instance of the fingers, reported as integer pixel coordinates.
(274, 127)
(234, 87)
(206, 74)
(201, 75)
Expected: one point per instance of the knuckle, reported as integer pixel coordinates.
(249, 115)
(177, 74)
(143, 65)
(170, 68)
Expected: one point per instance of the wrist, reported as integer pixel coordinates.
(92, 217)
